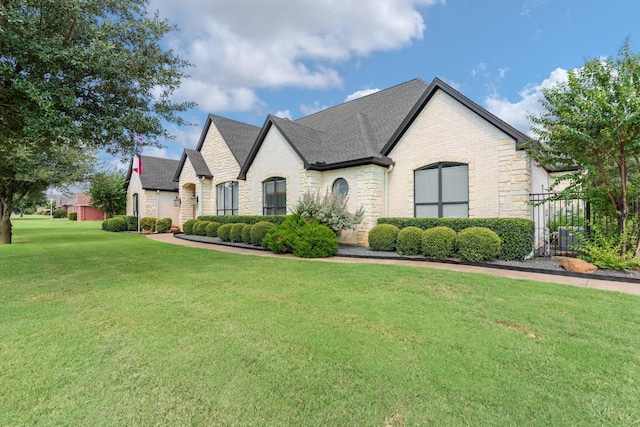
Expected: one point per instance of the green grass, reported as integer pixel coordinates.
(102, 328)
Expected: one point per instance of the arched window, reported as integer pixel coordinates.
(340, 186)
(442, 190)
(227, 198)
(274, 192)
(134, 204)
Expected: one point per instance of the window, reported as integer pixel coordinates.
(442, 190)
(340, 187)
(135, 204)
(275, 196)
(227, 198)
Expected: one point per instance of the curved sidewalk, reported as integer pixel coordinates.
(591, 282)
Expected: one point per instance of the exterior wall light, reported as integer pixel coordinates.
(194, 200)
(177, 202)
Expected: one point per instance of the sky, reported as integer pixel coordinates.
(292, 58)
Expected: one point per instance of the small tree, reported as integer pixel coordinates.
(330, 210)
(108, 193)
(592, 122)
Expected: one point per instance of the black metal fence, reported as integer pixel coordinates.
(560, 224)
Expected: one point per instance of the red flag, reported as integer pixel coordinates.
(137, 165)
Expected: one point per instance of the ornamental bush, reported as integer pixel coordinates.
(131, 220)
(439, 242)
(187, 227)
(59, 213)
(73, 216)
(200, 228)
(305, 237)
(115, 225)
(383, 237)
(212, 228)
(478, 244)
(246, 234)
(330, 210)
(259, 230)
(517, 234)
(315, 240)
(409, 241)
(224, 232)
(147, 224)
(163, 225)
(236, 233)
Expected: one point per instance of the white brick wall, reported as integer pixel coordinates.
(446, 131)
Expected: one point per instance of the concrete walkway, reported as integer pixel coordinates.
(591, 282)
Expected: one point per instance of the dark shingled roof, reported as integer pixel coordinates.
(238, 136)
(197, 161)
(157, 173)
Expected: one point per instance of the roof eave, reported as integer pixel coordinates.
(378, 161)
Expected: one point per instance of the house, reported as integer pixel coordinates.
(153, 193)
(412, 150)
(81, 204)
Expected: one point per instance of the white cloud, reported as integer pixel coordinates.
(360, 93)
(503, 72)
(515, 113)
(239, 46)
(479, 69)
(286, 114)
(310, 109)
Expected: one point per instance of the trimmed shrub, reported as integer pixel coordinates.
(115, 225)
(383, 237)
(132, 221)
(304, 237)
(163, 225)
(147, 224)
(244, 219)
(315, 240)
(478, 244)
(517, 234)
(200, 228)
(439, 242)
(259, 230)
(73, 216)
(330, 210)
(212, 229)
(246, 234)
(224, 232)
(235, 235)
(60, 213)
(187, 227)
(409, 241)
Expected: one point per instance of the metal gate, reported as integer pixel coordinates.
(560, 224)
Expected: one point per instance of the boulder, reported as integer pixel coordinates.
(576, 265)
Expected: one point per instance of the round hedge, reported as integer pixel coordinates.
(383, 237)
(163, 225)
(224, 232)
(246, 234)
(187, 227)
(439, 242)
(236, 233)
(212, 229)
(478, 244)
(115, 224)
(200, 228)
(409, 241)
(259, 230)
(315, 241)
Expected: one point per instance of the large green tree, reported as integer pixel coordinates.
(592, 121)
(81, 74)
(25, 169)
(108, 192)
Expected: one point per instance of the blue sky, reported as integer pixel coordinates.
(294, 57)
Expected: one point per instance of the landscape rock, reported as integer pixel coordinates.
(576, 265)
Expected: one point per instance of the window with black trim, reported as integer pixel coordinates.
(442, 190)
(340, 186)
(274, 192)
(227, 198)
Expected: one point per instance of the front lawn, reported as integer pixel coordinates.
(102, 328)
